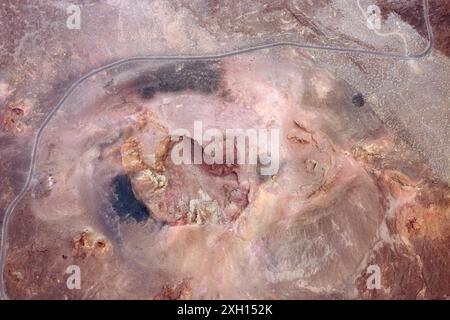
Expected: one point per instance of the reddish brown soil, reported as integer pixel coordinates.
(412, 12)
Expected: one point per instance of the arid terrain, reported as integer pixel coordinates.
(348, 198)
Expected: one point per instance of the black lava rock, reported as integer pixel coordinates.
(358, 100)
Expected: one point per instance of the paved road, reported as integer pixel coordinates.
(18, 198)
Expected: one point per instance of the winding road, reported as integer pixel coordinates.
(20, 195)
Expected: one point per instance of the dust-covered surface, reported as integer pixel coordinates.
(364, 152)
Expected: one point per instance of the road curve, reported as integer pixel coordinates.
(18, 198)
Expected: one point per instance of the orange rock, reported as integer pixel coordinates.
(181, 291)
(12, 119)
(86, 244)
